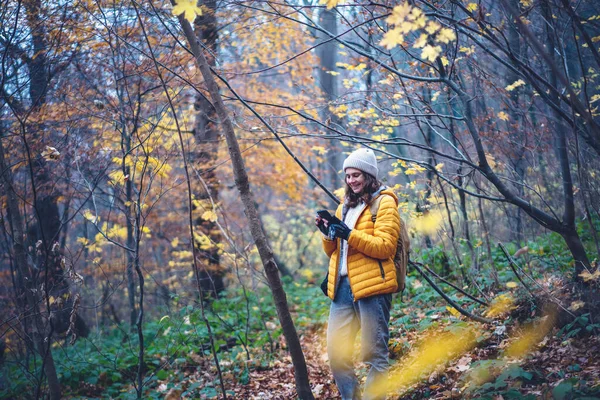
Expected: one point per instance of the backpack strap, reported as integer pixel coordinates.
(374, 207)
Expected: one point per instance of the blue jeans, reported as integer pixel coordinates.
(346, 317)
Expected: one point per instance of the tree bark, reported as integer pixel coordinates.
(44, 233)
(206, 132)
(518, 136)
(129, 217)
(328, 56)
(576, 247)
(569, 232)
(256, 229)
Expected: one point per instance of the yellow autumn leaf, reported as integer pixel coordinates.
(467, 50)
(420, 22)
(587, 276)
(445, 61)
(503, 116)
(175, 242)
(414, 169)
(399, 14)
(431, 52)
(453, 311)
(432, 27)
(406, 27)
(428, 224)
(490, 160)
(330, 3)
(209, 216)
(439, 167)
(511, 285)
(472, 7)
(530, 337)
(358, 67)
(500, 305)
(433, 351)
(189, 9)
(89, 215)
(576, 305)
(421, 41)
(415, 14)
(117, 177)
(319, 149)
(116, 232)
(446, 35)
(392, 38)
(515, 85)
(308, 274)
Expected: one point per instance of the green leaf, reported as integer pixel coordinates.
(162, 375)
(561, 391)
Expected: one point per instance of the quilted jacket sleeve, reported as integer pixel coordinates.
(329, 246)
(382, 244)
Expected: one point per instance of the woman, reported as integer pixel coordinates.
(362, 276)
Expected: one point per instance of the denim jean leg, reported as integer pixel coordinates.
(341, 333)
(374, 320)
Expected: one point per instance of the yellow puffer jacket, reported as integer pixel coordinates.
(371, 250)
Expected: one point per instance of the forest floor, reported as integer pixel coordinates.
(558, 367)
(556, 361)
(526, 353)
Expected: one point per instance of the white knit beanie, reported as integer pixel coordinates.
(363, 159)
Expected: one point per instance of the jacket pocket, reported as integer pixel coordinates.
(381, 270)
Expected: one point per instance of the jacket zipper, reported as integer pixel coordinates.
(381, 270)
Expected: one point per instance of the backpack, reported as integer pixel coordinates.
(403, 247)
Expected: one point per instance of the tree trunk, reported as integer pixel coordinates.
(256, 229)
(562, 152)
(45, 231)
(518, 136)
(206, 132)
(578, 251)
(328, 56)
(129, 215)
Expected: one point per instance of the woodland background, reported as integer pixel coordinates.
(136, 263)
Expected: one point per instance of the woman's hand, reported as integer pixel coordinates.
(322, 224)
(340, 230)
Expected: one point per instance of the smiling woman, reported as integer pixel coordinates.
(362, 276)
(355, 179)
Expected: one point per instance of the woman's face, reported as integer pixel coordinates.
(355, 179)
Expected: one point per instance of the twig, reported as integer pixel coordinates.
(448, 299)
(554, 299)
(483, 303)
(512, 264)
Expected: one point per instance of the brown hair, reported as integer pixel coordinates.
(371, 186)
